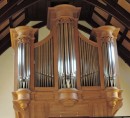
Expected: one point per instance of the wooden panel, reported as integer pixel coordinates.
(44, 96)
(126, 44)
(15, 15)
(39, 110)
(128, 34)
(117, 24)
(4, 33)
(19, 20)
(124, 4)
(57, 110)
(101, 12)
(4, 24)
(97, 19)
(101, 1)
(89, 95)
(31, 110)
(42, 109)
(3, 3)
(99, 109)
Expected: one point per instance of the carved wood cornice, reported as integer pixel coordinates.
(105, 32)
(61, 11)
(22, 34)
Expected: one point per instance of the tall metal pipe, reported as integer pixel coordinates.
(106, 36)
(66, 59)
(24, 38)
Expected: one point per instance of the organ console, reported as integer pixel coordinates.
(65, 74)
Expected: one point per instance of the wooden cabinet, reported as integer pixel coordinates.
(66, 74)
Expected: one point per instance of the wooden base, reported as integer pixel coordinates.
(68, 103)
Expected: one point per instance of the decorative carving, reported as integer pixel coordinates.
(112, 96)
(23, 39)
(22, 98)
(68, 96)
(22, 34)
(23, 104)
(106, 31)
(66, 20)
(62, 11)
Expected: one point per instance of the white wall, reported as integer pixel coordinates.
(124, 72)
(6, 84)
(7, 76)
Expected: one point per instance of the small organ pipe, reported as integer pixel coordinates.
(52, 56)
(44, 64)
(88, 64)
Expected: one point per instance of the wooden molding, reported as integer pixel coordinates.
(68, 97)
(23, 34)
(114, 98)
(112, 95)
(21, 103)
(62, 10)
(106, 31)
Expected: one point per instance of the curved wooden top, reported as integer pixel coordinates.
(62, 10)
(21, 31)
(107, 30)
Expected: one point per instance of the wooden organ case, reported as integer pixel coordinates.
(66, 74)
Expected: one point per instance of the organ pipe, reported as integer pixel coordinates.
(66, 57)
(89, 65)
(106, 36)
(43, 56)
(24, 38)
(23, 65)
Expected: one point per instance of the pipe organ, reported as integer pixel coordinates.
(65, 74)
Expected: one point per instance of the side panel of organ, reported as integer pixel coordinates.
(66, 74)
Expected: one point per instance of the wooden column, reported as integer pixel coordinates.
(106, 37)
(22, 39)
(108, 58)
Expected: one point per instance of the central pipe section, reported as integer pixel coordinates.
(66, 53)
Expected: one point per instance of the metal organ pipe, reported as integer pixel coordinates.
(66, 59)
(89, 66)
(23, 65)
(109, 61)
(24, 37)
(43, 54)
(106, 36)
